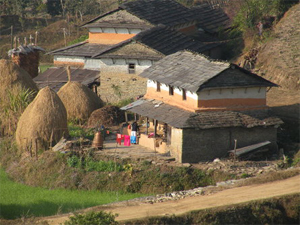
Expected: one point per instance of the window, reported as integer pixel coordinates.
(183, 94)
(171, 90)
(157, 86)
(131, 68)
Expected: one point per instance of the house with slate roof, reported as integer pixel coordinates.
(203, 108)
(124, 42)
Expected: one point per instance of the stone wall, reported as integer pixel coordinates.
(29, 62)
(202, 145)
(118, 86)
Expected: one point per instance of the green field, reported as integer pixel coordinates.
(17, 200)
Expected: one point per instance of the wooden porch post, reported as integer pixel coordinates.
(147, 120)
(155, 127)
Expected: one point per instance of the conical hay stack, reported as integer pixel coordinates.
(107, 116)
(43, 123)
(12, 76)
(79, 100)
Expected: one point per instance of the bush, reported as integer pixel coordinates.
(92, 218)
(89, 164)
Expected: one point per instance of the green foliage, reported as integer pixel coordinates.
(17, 200)
(117, 90)
(18, 101)
(253, 11)
(80, 39)
(77, 131)
(124, 102)
(89, 164)
(13, 106)
(92, 218)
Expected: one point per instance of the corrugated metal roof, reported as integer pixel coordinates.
(56, 77)
(181, 118)
(244, 150)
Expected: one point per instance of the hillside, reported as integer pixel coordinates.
(279, 58)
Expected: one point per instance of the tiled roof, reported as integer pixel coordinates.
(83, 49)
(210, 19)
(161, 39)
(193, 72)
(117, 18)
(181, 118)
(167, 12)
(168, 41)
(56, 77)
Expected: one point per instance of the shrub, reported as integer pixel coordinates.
(92, 218)
(89, 164)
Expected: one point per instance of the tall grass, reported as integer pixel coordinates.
(18, 200)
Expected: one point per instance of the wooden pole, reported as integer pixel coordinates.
(64, 30)
(235, 144)
(11, 36)
(147, 121)
(155, 128)
(36, 38)
(126, 117)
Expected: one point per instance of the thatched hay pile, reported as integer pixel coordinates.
(79, 101)
(43, 123)
(17, 90)
(107, 116)
(12, 76)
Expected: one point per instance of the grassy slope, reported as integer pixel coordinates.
(18, 200)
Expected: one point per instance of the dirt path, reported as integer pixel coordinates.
(222, 198)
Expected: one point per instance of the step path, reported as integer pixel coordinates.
(223, 198)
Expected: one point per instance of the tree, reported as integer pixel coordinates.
(54, 7)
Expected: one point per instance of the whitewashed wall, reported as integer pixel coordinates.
(164, 87)
(115, 30)
(73, 59)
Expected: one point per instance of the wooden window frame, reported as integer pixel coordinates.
(183, 95)
(157, 87)
(171, 90)
(131, 68)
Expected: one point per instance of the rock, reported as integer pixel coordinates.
(217, 160)
(186, 165)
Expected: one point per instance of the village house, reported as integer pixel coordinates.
(124, 42)
(198, 109)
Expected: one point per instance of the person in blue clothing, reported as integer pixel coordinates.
(134, 130)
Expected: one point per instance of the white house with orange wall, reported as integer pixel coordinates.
(204, 105)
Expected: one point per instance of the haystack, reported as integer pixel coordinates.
(79, 101)
(43, 123)
(12, 77)
(107, 116)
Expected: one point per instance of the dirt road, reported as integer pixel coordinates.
(222, 198)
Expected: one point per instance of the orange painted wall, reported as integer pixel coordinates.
(232, 102)
(108, 38)
(61, 63)
(176, 99)
(206, 105)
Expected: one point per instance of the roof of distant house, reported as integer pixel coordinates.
(181, 118)
(210, 19)
(194, 72)
(56, 77)
(159, 40)
(83, 49)
(24, 49)
(167, 12)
